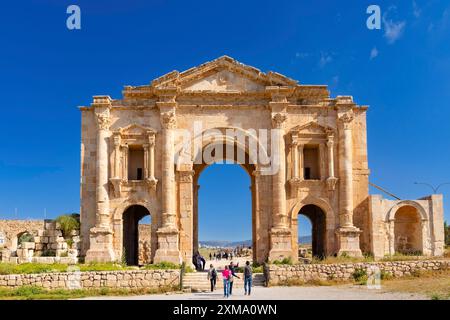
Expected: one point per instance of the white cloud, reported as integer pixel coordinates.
(325, 59)
(373, 53)
(416, 10)
(393, 30)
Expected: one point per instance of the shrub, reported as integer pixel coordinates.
(69, 243)
(360, 275)
(284, 261)
(384, 275)
(162, 265)
(68, 223)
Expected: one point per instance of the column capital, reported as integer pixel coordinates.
(168, 119)
(103, 120)
(278, 120)
(151, 140)
(186, 175)
(116, 140)
(346, 119)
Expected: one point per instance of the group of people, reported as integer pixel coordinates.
(221, 255)
(228, 275)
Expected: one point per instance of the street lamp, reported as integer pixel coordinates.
(435, 190)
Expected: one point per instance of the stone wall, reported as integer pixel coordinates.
(47, 241)
(130, 279)
(281, 274)
(145, 243)
(12, 228)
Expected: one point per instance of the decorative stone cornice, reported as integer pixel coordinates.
(101, 101)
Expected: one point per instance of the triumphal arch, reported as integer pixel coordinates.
(304, 151)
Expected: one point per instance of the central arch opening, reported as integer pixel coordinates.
(132, 228)
(224, 206)
(317, 219)
(224, 212)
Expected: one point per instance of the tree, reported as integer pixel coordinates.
(68, 223)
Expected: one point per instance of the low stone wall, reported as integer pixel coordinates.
(282, 274)
(129, 279)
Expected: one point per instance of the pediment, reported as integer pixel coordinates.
(222, 75)
(222, 81)
(135, 129)
(311, 128)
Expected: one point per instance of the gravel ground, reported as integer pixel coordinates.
(344, 292)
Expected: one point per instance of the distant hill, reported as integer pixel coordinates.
(305, 239)
(225, 243)
(245, 243)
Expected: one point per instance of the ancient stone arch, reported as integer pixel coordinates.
(316, 146)
(417, 206)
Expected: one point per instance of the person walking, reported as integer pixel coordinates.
(247, 278)
(203, 263)
(212, 276)
(226, 277)
(232, 276)
(210, 256)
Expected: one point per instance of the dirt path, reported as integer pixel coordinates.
(345, 292)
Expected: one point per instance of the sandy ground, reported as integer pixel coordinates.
(344, 292)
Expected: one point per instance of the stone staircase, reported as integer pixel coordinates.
(198, 281)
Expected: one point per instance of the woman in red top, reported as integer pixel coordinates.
(226, 277)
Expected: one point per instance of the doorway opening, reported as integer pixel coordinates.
(136, 235)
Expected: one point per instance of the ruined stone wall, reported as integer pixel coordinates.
(281, 274)
(12, 228)
(130, 279)
(144, 244)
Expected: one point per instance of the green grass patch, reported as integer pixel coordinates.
(38, 293)
(360, 276)
(162, 265)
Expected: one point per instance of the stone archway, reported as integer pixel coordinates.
(317, 218)
(130, 243)
(249, 167)
(408, 230)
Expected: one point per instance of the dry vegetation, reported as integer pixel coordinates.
(435, 285)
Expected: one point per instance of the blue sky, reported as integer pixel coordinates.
(46, 71)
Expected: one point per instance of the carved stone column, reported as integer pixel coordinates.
(125, 153)
(331, 181)
(116, 180)
(146, 160)
(101, 235)
(168, 234)
(294, 151)
(301, 161)
(116, 156)
(280, 234)
(150, 161)
(322, 162)
(348, 234)
(186, 200)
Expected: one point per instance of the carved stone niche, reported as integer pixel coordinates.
(306, 136)
(122, 139)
